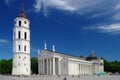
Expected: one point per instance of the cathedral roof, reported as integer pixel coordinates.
(92, 56)
(22, 14)
(65, 54)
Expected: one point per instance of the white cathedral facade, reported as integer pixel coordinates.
(51, 62)
(21, 45)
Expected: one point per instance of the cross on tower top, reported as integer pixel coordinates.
(22, 8)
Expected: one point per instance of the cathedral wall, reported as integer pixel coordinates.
(73, 68)
(64, 66)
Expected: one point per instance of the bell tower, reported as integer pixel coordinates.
(21, 45)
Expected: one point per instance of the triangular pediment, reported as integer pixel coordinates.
(45, 53)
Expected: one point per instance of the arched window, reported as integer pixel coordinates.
(14, 35)
(15, 22)
(19, 64)
(25, 35)
(25, 22)
(19, 57)
(24, 48)
(19, 23)
(18, 47)
(19, 35)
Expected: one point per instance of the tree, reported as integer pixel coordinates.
(34, 65)
(112, 66)
(6, 66)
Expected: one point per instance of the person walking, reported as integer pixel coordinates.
(65, 78)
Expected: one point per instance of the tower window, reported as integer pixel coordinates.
(25, 22)
(15, 22)
(19, 57)
(14, 35)
(25, 35)
(19, 64)
(19, 23)
(24, 48)
(19, 47)
(27, 69)
(19, 35)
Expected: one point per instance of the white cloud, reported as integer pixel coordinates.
(78, 6)
(34, 50)
(3, 41)
(37, 5)
(117, 6)
(95, 9)
(116, 17)
(7, 2)
(59, 4)
(111, 28)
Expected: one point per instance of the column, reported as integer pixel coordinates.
(50, 65)
(43, 67)
(81, 69)
(53, 66)
(47, 67)
(86, 68)
(59, 68)
(39, 66)
(39, 62)
(90, 70)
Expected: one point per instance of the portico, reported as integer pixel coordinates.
(49, 66)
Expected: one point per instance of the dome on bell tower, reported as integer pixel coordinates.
(22, 14)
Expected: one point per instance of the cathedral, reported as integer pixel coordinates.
(50, 62)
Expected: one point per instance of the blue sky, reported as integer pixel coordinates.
(74, 26)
